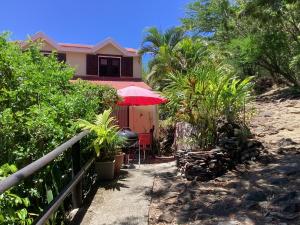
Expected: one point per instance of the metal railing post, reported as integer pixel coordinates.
(77, 190)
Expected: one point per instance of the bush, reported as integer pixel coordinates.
(206, 94)
(12, 207)
(38, 109)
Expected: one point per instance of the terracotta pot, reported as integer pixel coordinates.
(119, 159)
(105, 170)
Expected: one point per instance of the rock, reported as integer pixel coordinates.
(166, 217)
(257, 196)
(293, 172)
(231, 222)
(252, 205)
(283, 216)
(293, 207)
(288, 149)
(283, 142)
(286, 197)
(170, 200)
(172, 194)
(272, 132)
(183, 132)
(279, 181)
(212, 165)
(238, 220)
(205, 165)
(236, 132)
(267, 114)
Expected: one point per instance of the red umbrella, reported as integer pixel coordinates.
(137, 96)
(133, 95)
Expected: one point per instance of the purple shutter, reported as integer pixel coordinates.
(92, 64)
(127, 66)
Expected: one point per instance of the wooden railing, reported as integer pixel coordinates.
(74, 186)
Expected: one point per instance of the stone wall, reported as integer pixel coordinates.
(206, 165)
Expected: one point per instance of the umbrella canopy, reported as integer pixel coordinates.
(133, 95)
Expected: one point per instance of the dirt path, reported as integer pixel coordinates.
(127, 200)
(262, 192)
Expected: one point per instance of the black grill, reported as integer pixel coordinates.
(131, 139)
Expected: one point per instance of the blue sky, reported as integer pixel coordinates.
(89, 21)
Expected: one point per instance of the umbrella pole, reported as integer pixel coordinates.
(139, 154)
(139, 140)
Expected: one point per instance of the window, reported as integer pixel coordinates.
(103, 62)
(46, 53)
(61, 57)
(109, 66)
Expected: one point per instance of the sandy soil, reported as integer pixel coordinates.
(263, 192)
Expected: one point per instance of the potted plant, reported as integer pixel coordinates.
(119, 159)
(106, 144)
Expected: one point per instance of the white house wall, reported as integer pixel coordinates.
(143, 118)
(77, 61)
(110, 50)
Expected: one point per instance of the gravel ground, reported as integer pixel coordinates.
(127, 200)
(265, 192)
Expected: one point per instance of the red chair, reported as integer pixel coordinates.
(145, 142)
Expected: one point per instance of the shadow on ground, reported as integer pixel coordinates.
(251, 194)
(280, 94)
(115, 184)
(132, 220)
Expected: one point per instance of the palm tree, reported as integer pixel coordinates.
(154, 39)
(160, 46)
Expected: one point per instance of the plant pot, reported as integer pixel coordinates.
(119, 159)
(105, 170)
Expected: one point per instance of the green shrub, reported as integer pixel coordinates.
(206, 94)
(12, 207)
(107, 142)
(38, 109)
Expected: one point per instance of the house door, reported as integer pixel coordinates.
(109, 66)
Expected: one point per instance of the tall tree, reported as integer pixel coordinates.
(160, 45)
(256, 35)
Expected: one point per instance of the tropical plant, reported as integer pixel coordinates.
(154, 39)
(160, 45)
(13, 208)
(206, 94)
(107, 141)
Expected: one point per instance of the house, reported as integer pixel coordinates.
(106, 63)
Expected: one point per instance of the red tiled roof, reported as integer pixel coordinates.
(90, 46)
(132, 50)
(75, 45)
(119, 84)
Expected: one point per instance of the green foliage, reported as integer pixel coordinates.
(258, 37)
(39, 107)
(206, 94)
(211, 18)
(107, 141)
(160, 45)
(186, 54)
(13, 208)
(38, 104)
